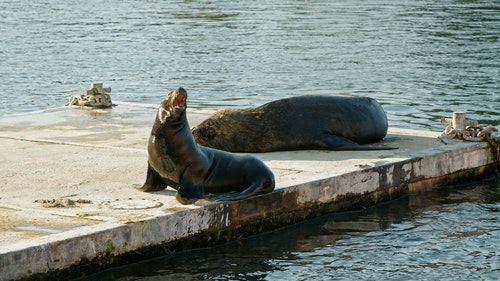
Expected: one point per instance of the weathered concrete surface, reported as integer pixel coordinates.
(68, 199)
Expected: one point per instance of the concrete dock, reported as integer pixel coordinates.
(69, 206)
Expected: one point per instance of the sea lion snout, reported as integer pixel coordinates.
(180, 97)
(175, 99)
(203, 133)
(198, 130)
(173, 105)
(179, 91)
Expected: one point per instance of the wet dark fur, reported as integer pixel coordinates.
(304, 122)
(175, 160)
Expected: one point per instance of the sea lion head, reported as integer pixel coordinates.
(204, 134)
(214, 131)
(173, 105)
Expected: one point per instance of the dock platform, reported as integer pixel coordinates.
(70, 207)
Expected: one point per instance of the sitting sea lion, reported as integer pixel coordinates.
(174, 159)
(303, 122)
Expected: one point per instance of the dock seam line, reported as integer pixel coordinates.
(71, 143)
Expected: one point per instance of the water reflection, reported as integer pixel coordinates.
(441, 233)
(420, 59)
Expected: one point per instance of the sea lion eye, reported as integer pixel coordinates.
(210, 132)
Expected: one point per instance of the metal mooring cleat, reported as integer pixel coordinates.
(96, 96)
(459, 128)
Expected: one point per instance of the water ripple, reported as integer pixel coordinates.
(422, 60)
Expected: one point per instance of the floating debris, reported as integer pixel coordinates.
(96, 96)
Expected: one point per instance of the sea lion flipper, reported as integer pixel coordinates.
(251, 191)
(261, 181)
(256, 188)
(190, 190)
(335, 142)
(154, 182)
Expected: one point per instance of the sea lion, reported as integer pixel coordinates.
(297, 123)
(174, 159)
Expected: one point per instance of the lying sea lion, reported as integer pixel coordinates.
(297, 123)
(174, 159)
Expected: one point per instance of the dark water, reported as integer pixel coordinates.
(420, 59)
(446, 234)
